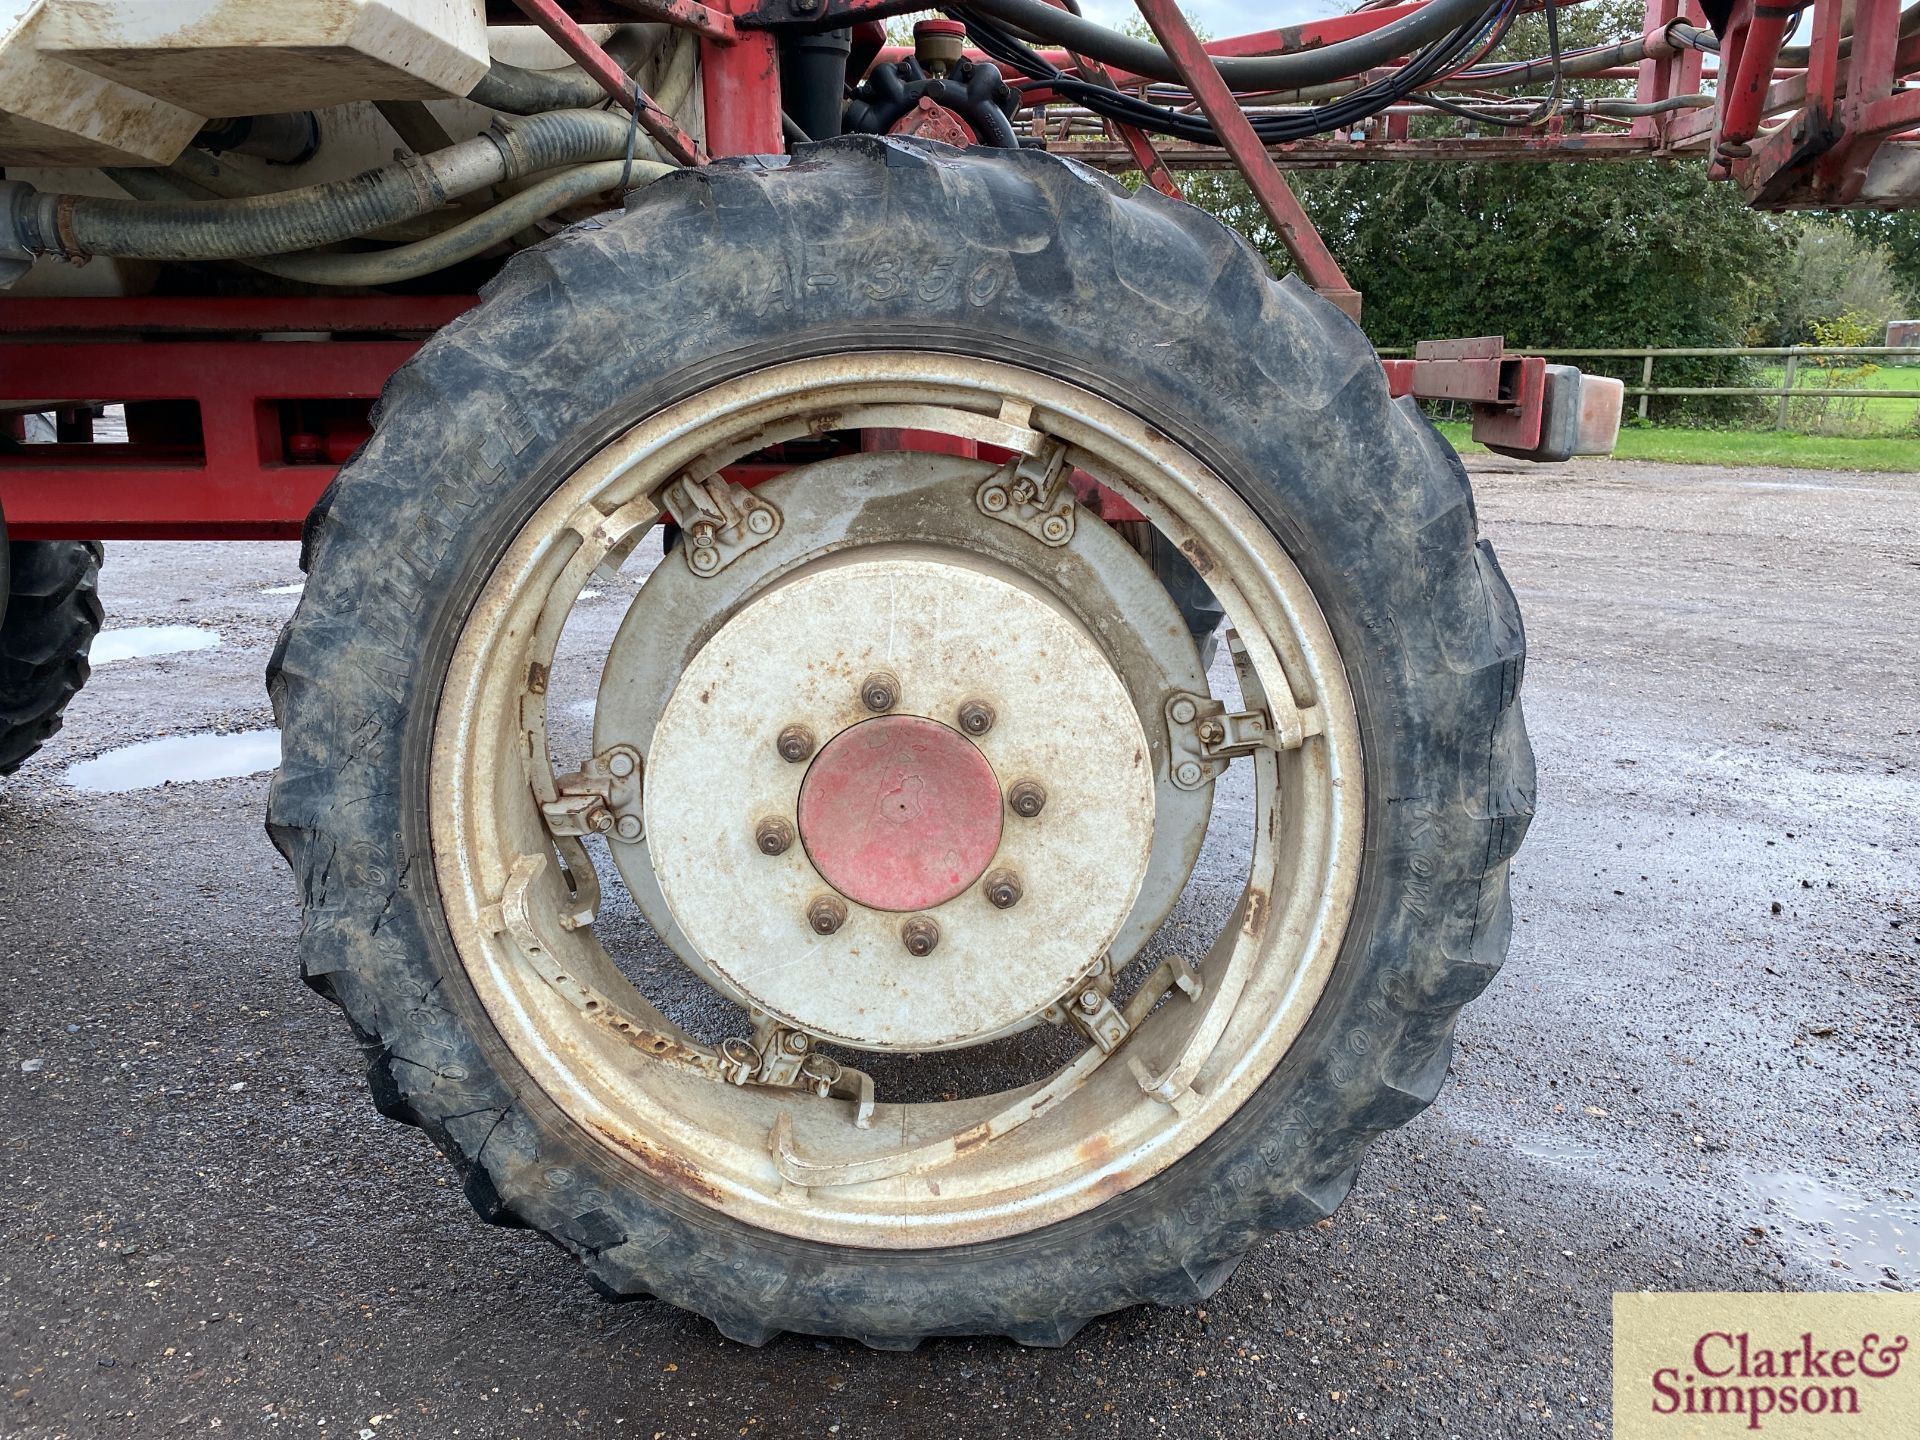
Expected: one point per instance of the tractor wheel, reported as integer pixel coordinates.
(48, 618)
(793, 944)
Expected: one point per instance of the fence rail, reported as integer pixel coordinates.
(1785, 392)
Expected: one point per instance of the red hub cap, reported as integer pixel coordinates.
(900, 813)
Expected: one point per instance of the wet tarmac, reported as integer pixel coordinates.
(1696, 1072)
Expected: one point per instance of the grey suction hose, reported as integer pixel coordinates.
(79, 225)
(436, 252)
(1266, 72)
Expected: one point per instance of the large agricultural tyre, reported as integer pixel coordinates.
(49, 614)
(898, 762)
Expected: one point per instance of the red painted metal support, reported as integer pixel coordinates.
(229, 315)
(1661, 77)
(1310, 254)
(242, 462)
(741, 83)
(586, 52)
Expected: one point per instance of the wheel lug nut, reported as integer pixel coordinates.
(796, 1042)
(1211, 732)
(773, 835)
(920, 935)
(600, 820)
(1028, 798)
(1003, 889)
(1090, 999)
(795, 743)
(879, 692)
(976, 717)
(826, 915)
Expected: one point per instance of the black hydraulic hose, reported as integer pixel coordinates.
(313, 215)
(1351, 105)
(516, 90)
(1264, 72)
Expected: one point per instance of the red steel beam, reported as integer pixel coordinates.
(1310, 254)
(239, 486)
(236, 315)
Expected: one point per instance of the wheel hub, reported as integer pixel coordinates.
(900, 813)
(965, 914)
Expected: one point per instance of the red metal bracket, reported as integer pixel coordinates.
(1310, 254)
(1507, 392)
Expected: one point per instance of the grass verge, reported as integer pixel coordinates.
(1882, 453)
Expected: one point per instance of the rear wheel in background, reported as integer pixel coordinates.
(885, 924)
(48, 618)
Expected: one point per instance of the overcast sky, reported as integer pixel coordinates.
(1224, 17)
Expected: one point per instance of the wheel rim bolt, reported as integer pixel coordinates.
(879, 692)
(1188, 773)
(826, 915)
(976, 717)
(1183, 712)
(760, 521)
(795, 744)
(1003, 889)
(622, 762)
(1028, 798)
(628, 827)
(773, 835)
(920, 935)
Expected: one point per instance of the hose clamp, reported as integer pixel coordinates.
(16, 253)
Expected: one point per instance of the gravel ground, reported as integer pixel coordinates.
(1695, 1072)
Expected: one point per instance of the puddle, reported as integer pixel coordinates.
(1872, 1242)
(176, 760)
(293, 589)
(141, 642)
(1572, 1154)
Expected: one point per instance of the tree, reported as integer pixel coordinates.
(1830, 272)
(1898, 233)
(1624, 253)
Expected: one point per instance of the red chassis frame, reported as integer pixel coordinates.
(240, 409)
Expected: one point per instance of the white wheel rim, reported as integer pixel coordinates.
(923, 1175)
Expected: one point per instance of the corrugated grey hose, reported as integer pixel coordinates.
(79, 225)
(423, 257)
